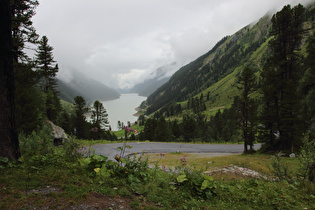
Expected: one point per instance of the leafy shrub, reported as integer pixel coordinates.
(4, 161)
(38, 143)
(307, 159)
(199, 185)
(38, 150)
(281, 169)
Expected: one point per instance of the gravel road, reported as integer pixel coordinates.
(111, 150)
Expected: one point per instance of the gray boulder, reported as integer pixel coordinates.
(58, 133)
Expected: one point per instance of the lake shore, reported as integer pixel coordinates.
(137, 114)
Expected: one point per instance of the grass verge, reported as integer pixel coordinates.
(59, 177)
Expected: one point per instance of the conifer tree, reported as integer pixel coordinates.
(247, 107)
(47, 70)
(162, 131)
(280, 79)
(23, 31)
(307, 85)
(29, 101)
(80, 124)
(149, 129)
(9, 142)
(46, 65)
(99, 115)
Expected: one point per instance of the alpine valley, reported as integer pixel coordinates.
(214, 74)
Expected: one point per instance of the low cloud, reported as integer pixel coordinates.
(120, 42)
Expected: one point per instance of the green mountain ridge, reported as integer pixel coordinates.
(215, 73)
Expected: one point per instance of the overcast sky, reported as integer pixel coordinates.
(119, 42)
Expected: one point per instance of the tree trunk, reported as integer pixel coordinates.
(9, 143)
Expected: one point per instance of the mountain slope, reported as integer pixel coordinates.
(89, 89)
(157, 78)
(209, 72)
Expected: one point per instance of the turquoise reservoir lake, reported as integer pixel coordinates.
(123, 109)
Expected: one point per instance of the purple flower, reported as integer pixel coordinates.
(128, 129)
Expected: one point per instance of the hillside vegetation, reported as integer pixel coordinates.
(216, 71)
(262, 77)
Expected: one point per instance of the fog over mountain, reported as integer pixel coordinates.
(118, 42)
(80, 85)
(155, 80)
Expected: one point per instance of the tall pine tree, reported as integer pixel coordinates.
(247, 107)
(9, 142)
(22, 27)
(80, 124)
(47, 70)
(29, 100)
(99, 116)
(307, 83)
(280, 79)
(46, 65)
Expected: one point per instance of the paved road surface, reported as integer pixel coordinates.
(111, 150)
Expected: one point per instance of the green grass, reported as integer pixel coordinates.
(74, 185)
(92, 142)
(58, 177)
(258, 162)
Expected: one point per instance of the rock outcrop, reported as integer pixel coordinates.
(58, 133)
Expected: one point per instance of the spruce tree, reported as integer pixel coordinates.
(280, 79)
(29, 100)
(23, 31)
(247, 107)
(99, 115)
(80, 124)
(162, 131)
(46, 65)
(150, 129)
(47, 71)
(307, 85)
(9, 142)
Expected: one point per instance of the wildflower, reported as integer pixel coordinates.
(163, 167)
(94, 129)
(162, 154)
(183, 160)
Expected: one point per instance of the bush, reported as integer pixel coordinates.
(307, 159)
(281, 168)
(38, 149)
(38, 143)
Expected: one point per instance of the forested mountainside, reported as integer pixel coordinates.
(89, 89)
(263, 78)
(247, 47)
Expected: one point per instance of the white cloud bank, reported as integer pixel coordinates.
(119, 42)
